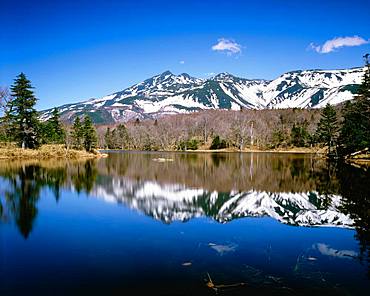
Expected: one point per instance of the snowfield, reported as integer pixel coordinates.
(168, 93)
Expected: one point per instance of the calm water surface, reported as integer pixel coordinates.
(184, 224)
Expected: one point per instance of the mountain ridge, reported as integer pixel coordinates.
(167, 93)
(176, 202)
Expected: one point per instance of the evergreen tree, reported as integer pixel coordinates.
(278, 138)
(299, 136)
(90, 138)
(355, 131)
(364, 89)
(108, 139)
(57, 128)
(114, 139)
(77, 134)
(122, 136)
(218, 143)
(53, 131)
(190, 144)
(327, 129)
(22, 114)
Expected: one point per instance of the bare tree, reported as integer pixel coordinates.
(254, 127)
(4, 98)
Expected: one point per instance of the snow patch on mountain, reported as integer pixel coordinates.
(168, 93)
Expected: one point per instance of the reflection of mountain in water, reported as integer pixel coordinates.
(177, 202)
(294, 189)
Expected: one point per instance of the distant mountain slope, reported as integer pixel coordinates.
(172, 94)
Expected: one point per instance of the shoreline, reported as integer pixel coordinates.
(46, 152)
(363, 163)
(359, 159)
(283, 151)
(59, 152)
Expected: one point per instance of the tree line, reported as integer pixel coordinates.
(214, 129)
(20, 122)
(344, 129)
(349, 131)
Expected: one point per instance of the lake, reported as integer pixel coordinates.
(184, 224)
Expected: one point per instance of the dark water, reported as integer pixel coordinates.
(169, 223)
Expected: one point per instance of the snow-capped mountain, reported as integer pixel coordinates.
(176, 202)
(168, 93)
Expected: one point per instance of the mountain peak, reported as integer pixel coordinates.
(167, 93)
(223, 75)
(186, 75)
(166, 73)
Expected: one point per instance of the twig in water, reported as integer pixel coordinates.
(216, 288)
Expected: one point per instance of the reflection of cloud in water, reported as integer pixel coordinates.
(221, 249)
(325, 249)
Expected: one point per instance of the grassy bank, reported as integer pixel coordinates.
(45, 152)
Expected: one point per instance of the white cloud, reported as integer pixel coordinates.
(227, 46)
(209, 74)
(182, 62)
(338, 42)
(325, 249)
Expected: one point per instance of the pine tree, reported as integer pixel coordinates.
(108, 139)
(122, 136)
(327, 129)
(57, 128)
(299, 136)
(90, 138)
(114, 139)
(218, 143)
(52, 130)
(364, 89)
(23, 115)
(77, 134)
(355, 131)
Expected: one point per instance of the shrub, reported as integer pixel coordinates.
(191, 144)
(218, 143)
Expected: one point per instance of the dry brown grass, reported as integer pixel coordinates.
(44, 152)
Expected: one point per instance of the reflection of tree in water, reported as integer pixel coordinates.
(116, 167)
(355, 189)
(23, 192)
(326, 179)
(85, 177)
(326, 183)
(217, 159)
(22, 197)
(26, 182)
(223, 172)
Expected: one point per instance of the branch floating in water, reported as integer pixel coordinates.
(215, 287)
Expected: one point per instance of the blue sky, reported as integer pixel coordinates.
(75, 50)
